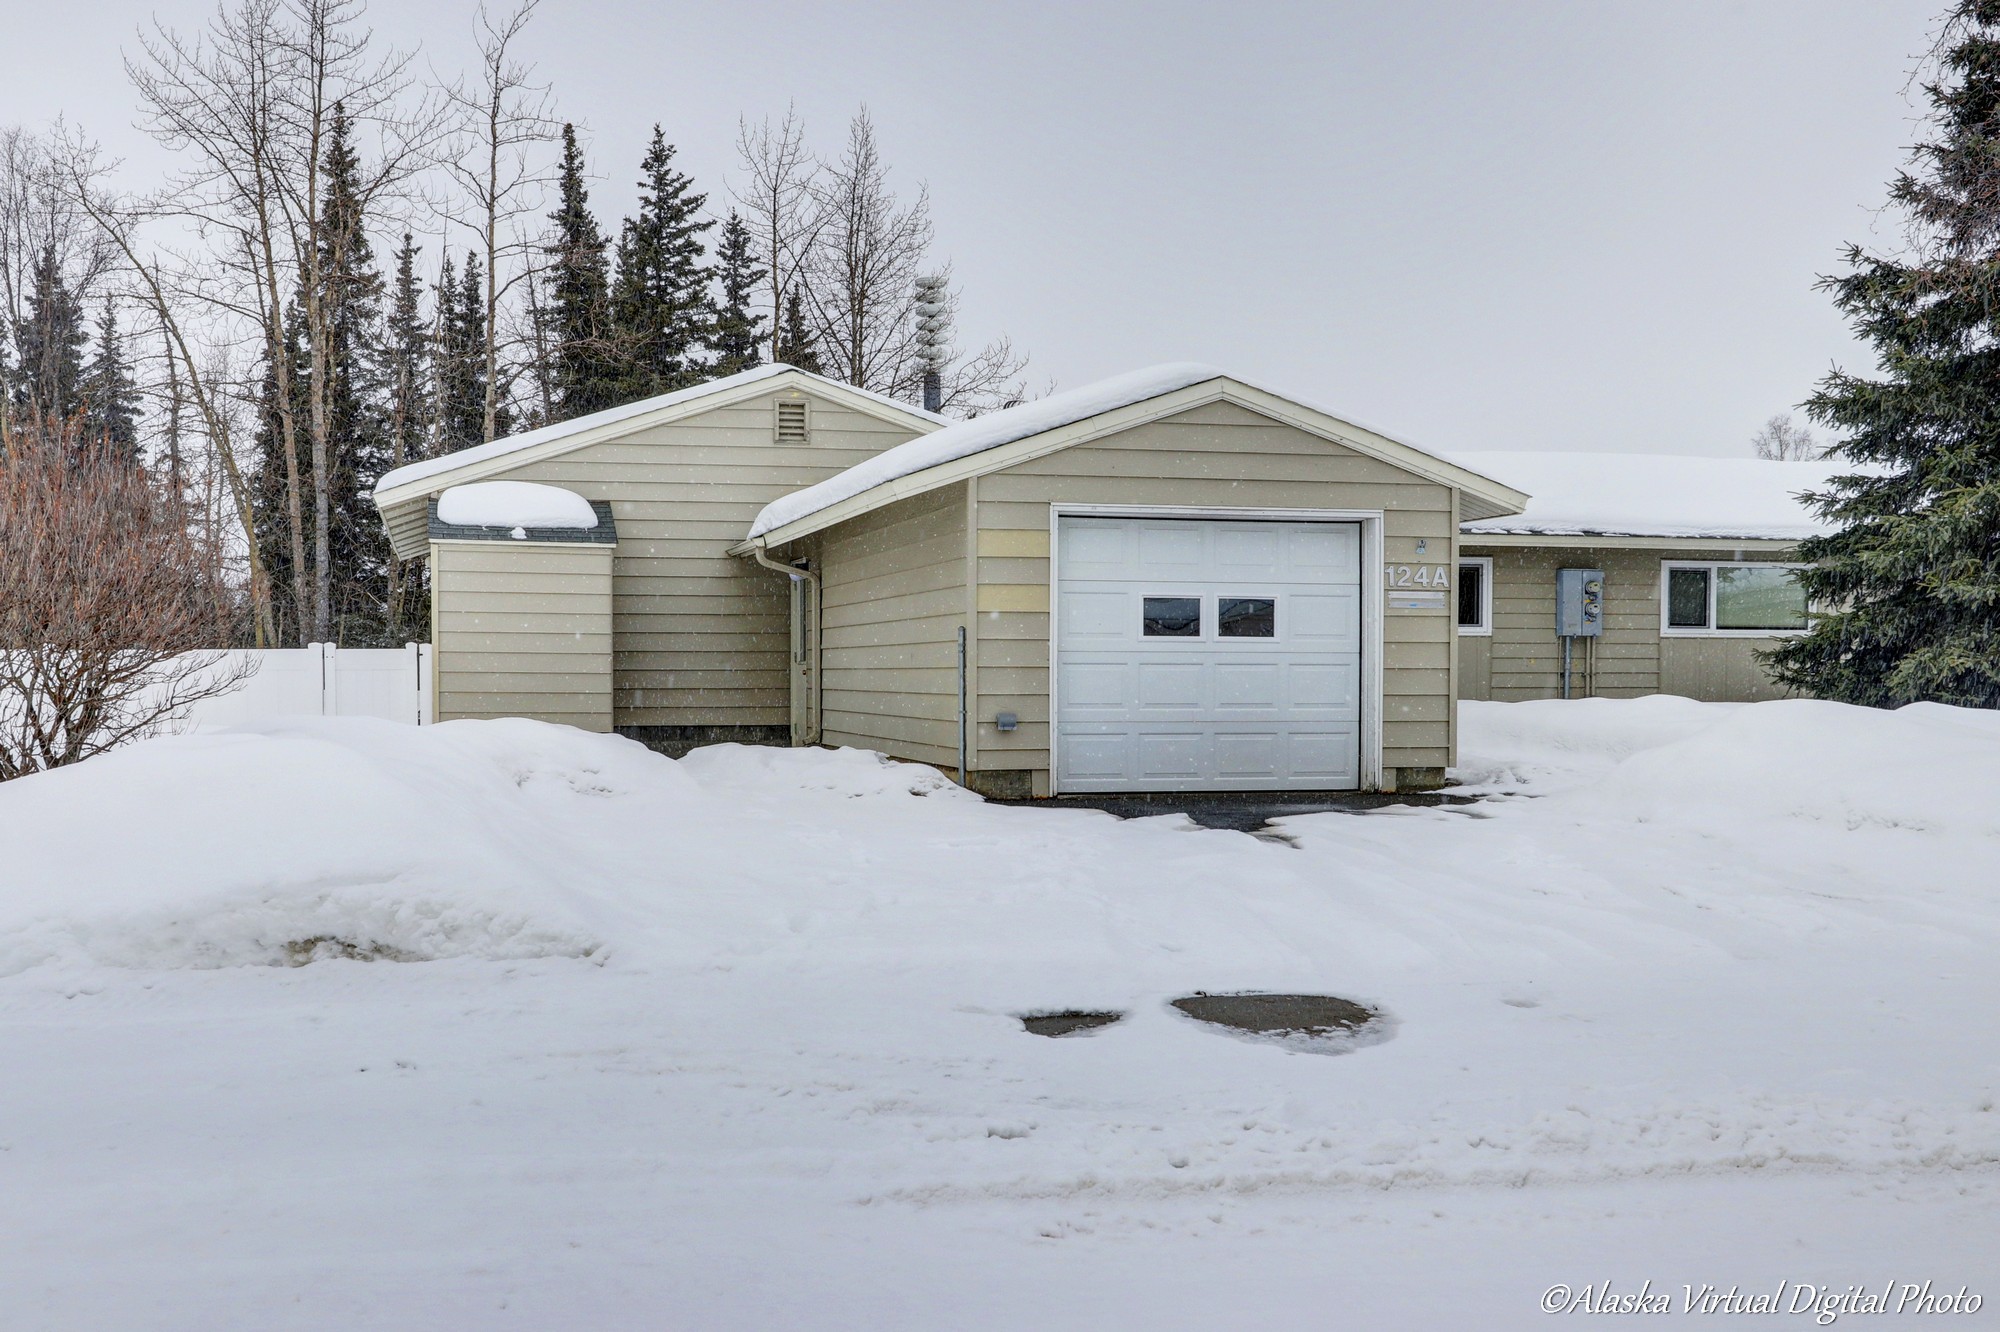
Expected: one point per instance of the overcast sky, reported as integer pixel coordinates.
(1580, 226)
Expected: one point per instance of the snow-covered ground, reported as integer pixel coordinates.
(1700, 995)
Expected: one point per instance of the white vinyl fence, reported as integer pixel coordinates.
(321, 680)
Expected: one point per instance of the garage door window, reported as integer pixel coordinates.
(1172, 617)
(1246, 617)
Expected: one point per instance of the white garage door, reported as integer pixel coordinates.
(1207, 654)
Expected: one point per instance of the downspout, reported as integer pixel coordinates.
(809, 633)
(961, 705)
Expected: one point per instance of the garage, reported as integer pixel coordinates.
(1207, 654)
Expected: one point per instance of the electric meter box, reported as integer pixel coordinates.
(1579, 603)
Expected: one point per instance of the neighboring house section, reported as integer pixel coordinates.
(700, 645)
(1693, 552)
(1173, 580)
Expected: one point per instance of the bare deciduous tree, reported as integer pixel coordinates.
(864, 267)
(781, 207)
(106, 607)
(503, 115)
(1781, 440)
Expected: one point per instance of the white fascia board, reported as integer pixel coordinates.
(1222, 389)
(478, 469)
(1470, 541)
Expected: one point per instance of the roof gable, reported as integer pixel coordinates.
(1019, 434)
(420, 479)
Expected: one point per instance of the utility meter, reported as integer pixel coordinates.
(1579, 603)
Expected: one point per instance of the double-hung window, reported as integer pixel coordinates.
(1716, 600)
(1475, 595)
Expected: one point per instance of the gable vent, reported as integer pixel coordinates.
(792, 425)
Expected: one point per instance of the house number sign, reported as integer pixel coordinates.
(1416, 586)
(1418, 575)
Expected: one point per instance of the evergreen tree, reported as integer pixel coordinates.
(405, 375)
(110, 397)
(659, 303)
(270, 513)
(405, 368)
(1910, 578)
(583, 355)
(797, 343)
(358, 447)
(48, 378)
(461, 357)
(736, 336)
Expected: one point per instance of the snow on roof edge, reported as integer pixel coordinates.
(963, 439)
(500, 448)
(1614, 495)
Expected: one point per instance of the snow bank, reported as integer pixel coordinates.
(1551, 744)
(314, 838)
(1629, 494)
(1819, 769)
(515, 504)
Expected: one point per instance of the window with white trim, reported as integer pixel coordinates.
(1730, 600)
(1475, 595)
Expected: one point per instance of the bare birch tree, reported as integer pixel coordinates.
(217, 100)
(1781, 440)
(503, 116)
(781, 207)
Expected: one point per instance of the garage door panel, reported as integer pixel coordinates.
(1247, 550)
(1329, 757)
(1330, 620)
(1251, 755)
(1243, 684)
(1333, 685)
(1095, 684)
(1170, 684)
(1094, 616)
(1168, 547)
(1096, 547)
(1265, 698)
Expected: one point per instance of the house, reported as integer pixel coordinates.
(780, 557)
(1165, 581)
(1695, 555)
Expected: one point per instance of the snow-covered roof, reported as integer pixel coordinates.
(1654, 495)
(597, 421)
(966, 438)
(515, 504)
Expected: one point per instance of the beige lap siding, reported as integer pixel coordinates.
(523, 630)
(892, 599)
(1223, 456)
(703, 637)
(1522, 659)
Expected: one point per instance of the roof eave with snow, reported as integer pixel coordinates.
(430, 475)
(1036, 429)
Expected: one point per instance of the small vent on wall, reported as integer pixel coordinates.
(792, 425)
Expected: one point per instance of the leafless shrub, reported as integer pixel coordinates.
(1781, 441)
(107, 609)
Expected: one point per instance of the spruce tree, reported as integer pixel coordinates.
(270, 512)
(48, 377)
(1908, 581)
(405, 356)
(797, 343)
(110, 397)
(736, 336)
(659, 302)
(585, 360)
(461, 357)
(358, 447)
(405, 375)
